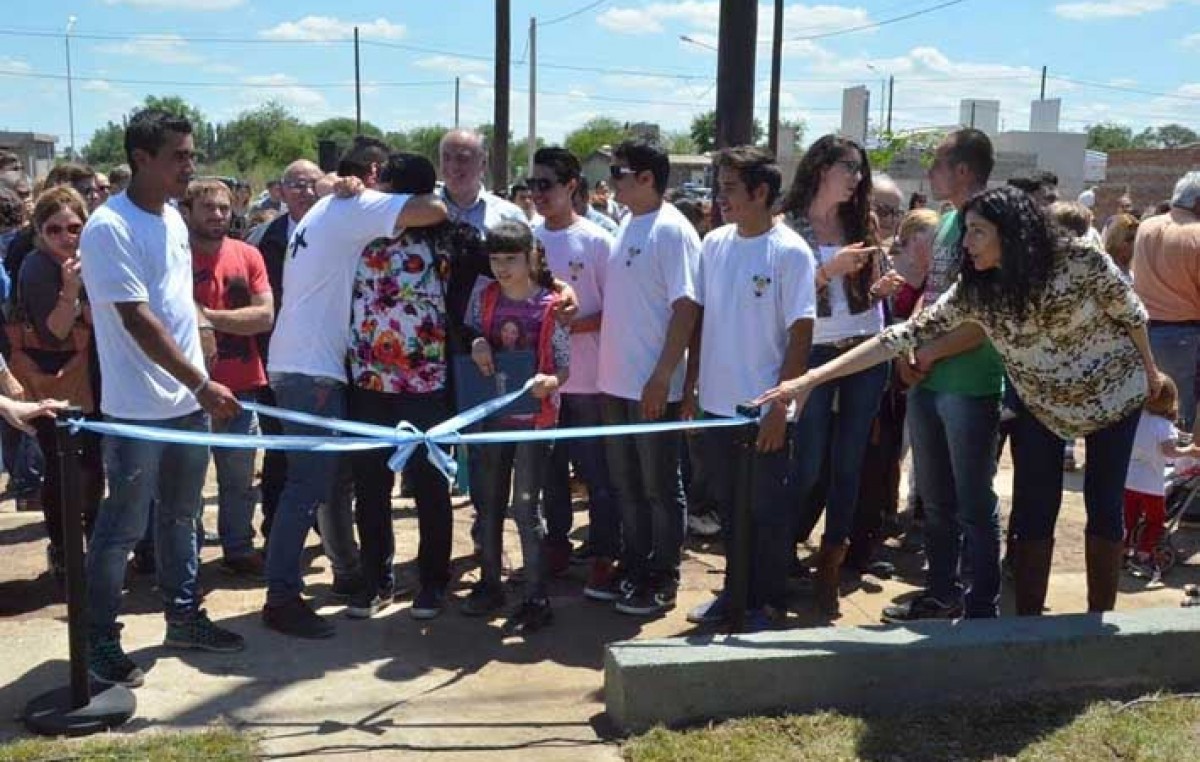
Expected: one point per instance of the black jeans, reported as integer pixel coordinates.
(274, 464)
(373, 482)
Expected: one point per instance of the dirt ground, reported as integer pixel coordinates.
(447, 689)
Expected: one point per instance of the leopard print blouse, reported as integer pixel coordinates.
(1071, 358)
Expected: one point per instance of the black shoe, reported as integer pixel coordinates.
(924, 606)
(614, 588)
(295, 618)
(365, 604)
(199, 632)
(346, 586)
(428, 603)
(484, 599)
(108, 664)
(647, 599)
(582, 555)
(533, 615)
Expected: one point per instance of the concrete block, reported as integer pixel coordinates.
(889, 667)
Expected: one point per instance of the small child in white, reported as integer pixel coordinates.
(1145, 486)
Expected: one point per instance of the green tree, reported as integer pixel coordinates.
(107, 147)
(1109, 136)
(342, 131)
(518, 157)
(1176, 135)
(594, 133)
(679, 142)
(800, 127)
(704, 131)
(265, 139)
(888, 146)
(203, 132)
(424, 140)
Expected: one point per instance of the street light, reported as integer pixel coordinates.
(70, 86)
(699, 43)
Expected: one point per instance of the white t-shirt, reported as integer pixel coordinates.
(653, 264)
(578, 256)
(312, 331)
(753, 291)
(1147, 464)
(841, 324)
(131, 255)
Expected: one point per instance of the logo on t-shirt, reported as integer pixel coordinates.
(760, 284)
(576, 268)
(298, 242)
(630, 254)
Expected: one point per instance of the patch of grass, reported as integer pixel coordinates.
(214, 745)
(1160, 727)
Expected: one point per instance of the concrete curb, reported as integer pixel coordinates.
(881, 668)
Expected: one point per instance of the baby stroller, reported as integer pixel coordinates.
(1182, 504)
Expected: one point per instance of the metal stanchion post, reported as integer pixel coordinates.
(82, 708)
(738, 556)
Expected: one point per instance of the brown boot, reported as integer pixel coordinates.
(1103, 559)
(827, 577)
(1031, 573)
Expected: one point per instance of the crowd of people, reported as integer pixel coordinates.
(866, 332)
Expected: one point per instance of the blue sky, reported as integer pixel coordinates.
(1133, 61)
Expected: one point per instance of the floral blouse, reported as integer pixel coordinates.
(1071, 358)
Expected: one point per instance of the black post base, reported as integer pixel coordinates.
(50, 714)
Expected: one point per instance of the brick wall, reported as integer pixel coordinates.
(1147, 175)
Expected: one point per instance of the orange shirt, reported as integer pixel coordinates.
(1166, 266)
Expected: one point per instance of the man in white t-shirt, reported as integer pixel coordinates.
(756, 286)
(577, 252)
(307, 364)
(650, 311)
(137, 268)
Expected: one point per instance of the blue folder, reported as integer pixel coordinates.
(513, 369)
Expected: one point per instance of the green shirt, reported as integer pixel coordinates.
(979, 372)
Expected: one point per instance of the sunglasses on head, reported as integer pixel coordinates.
(540, 184)
(74, 229)
(617, 172)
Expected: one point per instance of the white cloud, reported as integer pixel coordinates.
(327, 28)
(1108, 9)
(1191, 41)
(453, 65)
(701, 20)
(9, 65)
(179, 5)
(97, 86)
(159, 48)
(284, 89)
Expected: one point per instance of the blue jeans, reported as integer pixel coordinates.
(580, 410)
(840, 437)
(954, 442)
(236, 495)
(139, 472)
(649, 491)
(1038, 480)
(318, 484)
(1176, 349)
(522, 467)
(772, 518)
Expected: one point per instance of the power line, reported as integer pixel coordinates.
(1122, 88)
(225, 84)
(573, 14)
(876, 24)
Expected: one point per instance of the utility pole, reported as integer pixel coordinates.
(776, 67)
(735, 73)
(499, 151)
(1043, 94)
(531, 145)
(456, 103)
(891, 96)
(70, 88)
(357, 89)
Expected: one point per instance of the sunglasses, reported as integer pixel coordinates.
(299, 185)
(539, 184)
(74, 229)
(617, 172)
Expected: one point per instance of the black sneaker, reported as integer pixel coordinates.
(614, 588)
(924, 606)
(484, 599)
(107, 663)
(428, 603)
(346, 586)
(647, 600)
(200, 633)
(295, 618)
(533, 615)
(365, 604)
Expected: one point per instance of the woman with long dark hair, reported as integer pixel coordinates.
(53, 349)
(829, 205)
(1073, 338)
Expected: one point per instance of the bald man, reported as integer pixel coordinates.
(298, 186)
(887, 204)
(463, 159)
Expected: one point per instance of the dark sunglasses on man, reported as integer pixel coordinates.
(616, 171)
(539, 184)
